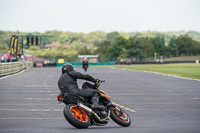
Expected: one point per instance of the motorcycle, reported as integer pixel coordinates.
(85, 64)
(79, 112)
(85, 67)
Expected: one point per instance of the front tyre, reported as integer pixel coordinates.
(120, 117)
(76, 116)
(85, 68)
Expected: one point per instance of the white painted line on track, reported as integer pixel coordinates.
(156, 103)
(39, 99)
(28, 94)
(30, 98)
(114, 98)
(169, 109)
(23, 130)
(12, 90)
(30, 109)
(57, 110)
(158, 98)
(43, 110)
(8, 104)
(14, 74)
(31, 118)
(128, 94)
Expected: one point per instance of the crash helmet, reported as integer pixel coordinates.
(85, 59)
(67, 68)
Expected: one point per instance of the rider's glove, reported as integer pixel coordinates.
(97, 81)
(96, 85)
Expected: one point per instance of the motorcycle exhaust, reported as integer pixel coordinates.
(85, 107)
(99, 119)
(94, 114)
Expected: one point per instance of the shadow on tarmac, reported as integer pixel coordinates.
(95, 127)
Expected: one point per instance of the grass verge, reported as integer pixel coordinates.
(183, 70)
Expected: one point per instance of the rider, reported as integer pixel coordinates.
(85, 63)
(67, 83)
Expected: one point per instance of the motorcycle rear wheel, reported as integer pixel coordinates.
(123, 119)
(76, 116)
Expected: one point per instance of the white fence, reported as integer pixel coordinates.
(13, 67)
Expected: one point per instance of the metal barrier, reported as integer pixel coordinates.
(90, 63)
(13, 67)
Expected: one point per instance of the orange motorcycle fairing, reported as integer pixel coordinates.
(103, 94)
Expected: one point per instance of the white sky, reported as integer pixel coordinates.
(99, 15)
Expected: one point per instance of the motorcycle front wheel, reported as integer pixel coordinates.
(120, 117)
(76, 116)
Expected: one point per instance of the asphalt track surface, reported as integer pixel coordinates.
(163, 104)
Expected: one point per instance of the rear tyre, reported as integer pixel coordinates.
(76, 116)
(121, 119)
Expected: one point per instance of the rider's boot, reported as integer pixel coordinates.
(95, 101)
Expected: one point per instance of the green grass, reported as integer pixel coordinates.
(183, 70)
(183, 58)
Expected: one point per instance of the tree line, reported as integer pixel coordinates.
(139, 48)
(115, 46)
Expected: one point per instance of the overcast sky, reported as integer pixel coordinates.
(99, 15)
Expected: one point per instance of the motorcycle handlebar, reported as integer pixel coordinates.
(97, 84)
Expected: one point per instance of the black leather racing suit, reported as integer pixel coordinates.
(85, 64)
(67, 83)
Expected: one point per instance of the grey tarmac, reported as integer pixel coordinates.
(156, 103)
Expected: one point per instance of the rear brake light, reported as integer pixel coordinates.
(60, 97)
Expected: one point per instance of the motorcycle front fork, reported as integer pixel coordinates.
(117, 110)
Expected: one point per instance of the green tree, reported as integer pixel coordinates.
(112, 36)
(185, 45)
(147, 47)
(135, 49)
(159, 45)
(97, 36)
(172, 48)
(196, 47)
(118, 49)
(194, 35)
(3, 48)
(102, 50)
